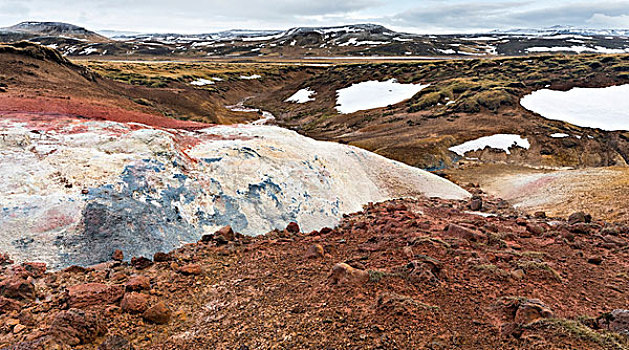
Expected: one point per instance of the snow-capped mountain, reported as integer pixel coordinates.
(53, 29)
(564, 30)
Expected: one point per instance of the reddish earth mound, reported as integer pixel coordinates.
(413, 274)
(88, 109)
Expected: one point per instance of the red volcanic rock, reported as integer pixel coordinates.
(8, 305)
(476, 203)
(75, 327)
(464, 233)
(226, 232)
(342, 273)
(5, 260)
(37, 270)
(532, 310)
(315, 251)
(118, 255)
(17, 287)
(190, 269)
(162, 257)
(293, 228)
(91, 294)
(134, 303)
(141, 263)
(158, 313)
(138, 283)
(579, 217)
(536, 230)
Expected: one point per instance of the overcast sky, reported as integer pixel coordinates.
(422, 16)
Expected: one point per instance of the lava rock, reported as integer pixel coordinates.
(343, 273)
(190, 270)
(118, 255)
(91, 294)
(315, 251)
(158, 314)
(532, 310)
(141, 263)
(8, 305)
(162, 257)
(138, 283)
(293, 228)
(476, 203)
(17, 287)
(579, 217)
(75, 327)
(134, 303)
(226, 232)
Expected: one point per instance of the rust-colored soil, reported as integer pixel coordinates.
(418, 274)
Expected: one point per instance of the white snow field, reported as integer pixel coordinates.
(559, 135)
(374, 94)
(202, 82)
(302, 96)
(250, 77)
(577, 49)
(603, 108)
(497, 141)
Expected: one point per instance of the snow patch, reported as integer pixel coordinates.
(250, 77)
(603, 108)
(374, 94)
(202, 82)
(302, 96)
(497, 141)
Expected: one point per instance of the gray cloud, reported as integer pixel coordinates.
(412, 15)
(509, 14)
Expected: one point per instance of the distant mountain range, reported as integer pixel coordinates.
(360, 40)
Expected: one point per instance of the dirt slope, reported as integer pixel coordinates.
(401, 275)
(38, 79)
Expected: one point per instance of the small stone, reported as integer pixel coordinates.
(315, 251)
(579, 217)
(141, 263)
(408, 252)
(138, 283)
(158, 314)
(536, 230)
(190, 269)
(226, 232)
(531, 310)
(75, 327)
(540, 214)
(118, 255)
(162, 257)
(8, 305)
(476, 203)
(595, 260)
(18, 328)
(37, 270)
(293, 228)
(134, 303)
(91, 294)
(17, 287)
(343, 273)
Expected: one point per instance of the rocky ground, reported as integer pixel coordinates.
(406, 274)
